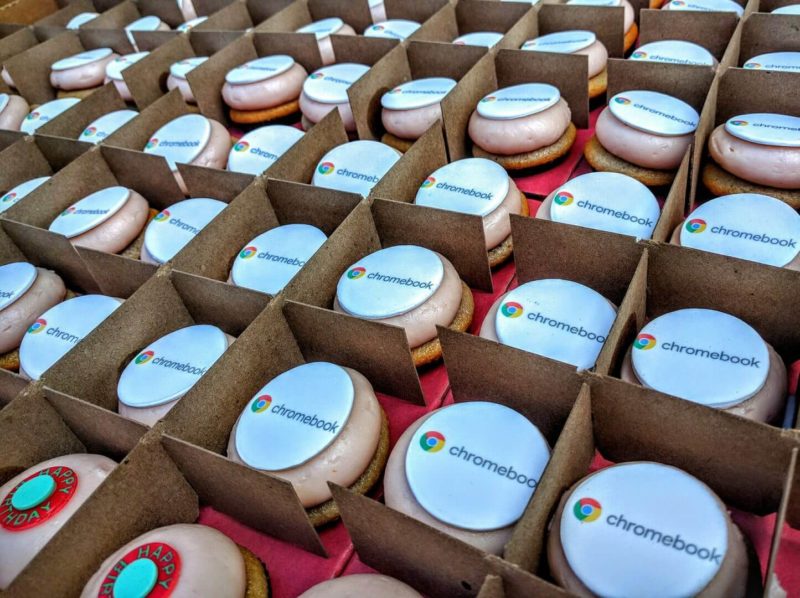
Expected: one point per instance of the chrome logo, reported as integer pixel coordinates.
(378, 27)
(261, 404)
(68, 211)
(242, 146)
(563, 198)
(623, 101)
(739, 123)
(678, 3)
(89, 131)
(151, 144)
(432, 442)
(512, 309)
(488, 99)
(316, 76)
(37, 326)
(752, 65)
(326, 168)
(397, 90)
(32, 116)
(696, 225)
(161, 216)
(645, 342)
(587, 510)
(429, 182)
(356, 273)
(639, 54)
(248, 252)
(143, 357)
(8, 197)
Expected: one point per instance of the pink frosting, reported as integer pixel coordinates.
(598, 57)
(345, 459)
(6, 76)
(637, 147)
(520, 135)
(362, 584)
(441, 309)
(214, 155)
(14, 113)
(188, 10)
(629, 14)
(411, 124)
(760, 164)
(378, 13)
(268, 93)
(119, 231)
(183, 86)
(497, 224)
(122, 88)
(47, 290)
(82, 77)
(315, 111)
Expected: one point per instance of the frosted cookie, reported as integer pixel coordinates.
(178, 73)
(104, 126)
(25, 292)
(629, 24)
(323, 30)
(148, 23)
(107, 220)
(607, 201)
(44, 113)
(399, 29)
(13, 110)
(674, 51)
(725, 225)
(81, 74)
(705, 6)
(36, 504)
(20, 192)
(361, 585)
(412, 108)
(756, 153)
(467, 470)
(59, 329)
(355, 167)
(114, 72)
(580, 42)
(190, 139)
(313, 424)
(485, 39)
(411, 287)
(481, 188)
(710, 358)
(81, 19)
(270, 261)
(642, 134)
(174, 227)
(264, 89)
(775, 61)
(180, 560)
(522, 126)
(259, 149)
(558, 319)
(629, 528)
(161, 373)
(326, 89)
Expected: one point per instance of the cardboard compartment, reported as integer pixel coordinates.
(762, 34)
(30, 69)
(27, 12)
(417, 60)
(669, 278)
(513, 20)
(567, 72)
(10, 386)
(50, 18)
(16, 42)
(768, 6)
(739, 91)
(712, 30)
(607, 25)
(128, 11)
(258, 10)
(29, 158)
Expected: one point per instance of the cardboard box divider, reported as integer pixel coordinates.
(518, 583)
(7, 29)
(166, 11)
(780, 519)
(288, 19)
(234, 17)
(739, 91)
(526, 27)
(607, 24)
(52, 23)
(27, 12)
(761, 34)
(436, 17)
(22, 161)
(417, 60)
(476, 15)
(19, 41)
(767, 6)
(259, 10)
(10, 386)
(116, 17)
(711, 30)
(70, 124)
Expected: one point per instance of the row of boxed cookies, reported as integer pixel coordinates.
(619, 418)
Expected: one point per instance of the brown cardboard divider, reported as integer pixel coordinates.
(17, 42)
(421, 11)
(762, 34)
(136, 133)
(492, 587)
(355, 14)
(22, 161)
(475, 15)
(115, 17)
(780, 521)
(234, 17)
(55, 15)
(27, 12)
(417, 60)
(518, 583)
(166, 11)
(286, 20)
(10, 386)
(607, 25)
(259, 10)
(711, 30)
(767, 6)
(70, 124)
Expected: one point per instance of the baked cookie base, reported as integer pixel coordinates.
(401, 145)
(10, 361)
(502, 252)
(538, 157)
(329, 510)
(598, 84)
(81, 94)
(721, 182)
(255, 574)
(604, 161)
(432, 350)
(630, 37)
(251, 117)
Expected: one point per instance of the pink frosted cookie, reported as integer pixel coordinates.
(82, 72)
(412, 108)
(264, 89)
(114, 72)
(178, 73)
(13, 110)
(326, 89)
(323, 30)
(629, 23)
(361, 585)
(580, 42)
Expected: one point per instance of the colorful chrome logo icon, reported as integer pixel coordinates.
(326, 168)
(248, 252)
(143, 357)
(151, 144)
(37, 326)
(563, 198)
(752, 65)
(9, 197)
(432, 442)
(587, 510)
(316, 76)
(68, 211)
(242, 146)
(645, 342)
(488, 99)
(696, 225)
(622, 100)
(639, 54)
(161, 216)
(378, 27)
(428, 183)
(739, 123)
(32, 116)
(261, 404)
(89, 131)
(512, 309)
(356, 273)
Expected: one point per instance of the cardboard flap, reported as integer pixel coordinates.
(261, 501)
(211, 182)
(288, 20)
(736, 93)
(22, 161)
(208, 43)
(9, 252)
(147, 174)
(607, 25)
(137, 132)
(293, 204)
(115, 18)
(106, 38)
(116, 276)
(18, 42)
(303, 48)
(10, 386)
(60, 152)
(419, 10)
(441, 26)
(458, 237)
(518, 583)
(712, 30)
(476, 15)
(146, 79)
(30, 69)
(355, 14)
(166, 11)
(397, 545)
(492, 587)
(704, 128)
(234, 17)
(60, 17)
(70, 124)
(780, 520)
(762, 34)
(673, 209)
(378, 351)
